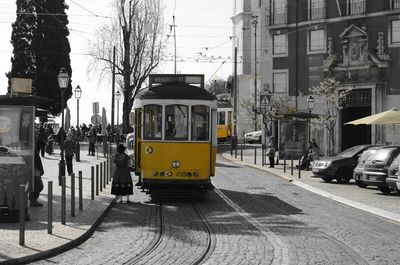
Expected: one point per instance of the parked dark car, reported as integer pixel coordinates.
(377, 167)
(339, 167)
(393, 179)
(358, 170)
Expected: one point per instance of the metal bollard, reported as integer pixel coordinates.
(97, 180)
(241, 152)
(80, 191)
(50, 207)
(299, 169)
(104, 175)
(255, 155)
(73, 195)
(284, 163)
(92, 183)
(101, 176)
(235, 147)
(291, 164)
(107, 170)
(262, 156)
(21, 214)
(63, 200)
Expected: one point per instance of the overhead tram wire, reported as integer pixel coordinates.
(216, 71)
(86, 9)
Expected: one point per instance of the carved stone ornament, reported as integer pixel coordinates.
(355, 46)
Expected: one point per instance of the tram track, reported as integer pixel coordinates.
(161, 237)
(380, 236)
(357, 257)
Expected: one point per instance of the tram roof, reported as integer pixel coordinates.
(176, 91)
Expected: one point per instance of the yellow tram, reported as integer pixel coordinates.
(175, 132)
(224, 120)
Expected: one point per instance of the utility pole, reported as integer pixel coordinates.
(235, 96)
(254, 22)
(174, 26)
(112, 98)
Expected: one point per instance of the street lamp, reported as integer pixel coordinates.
(63, 82)
(310, 107)
(118, 96)
(78, 94)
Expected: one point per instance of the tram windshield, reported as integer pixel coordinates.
(152, 122)
(200, 122)
(176, 122)
(221, 118)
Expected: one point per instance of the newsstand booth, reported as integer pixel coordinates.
(16, 156)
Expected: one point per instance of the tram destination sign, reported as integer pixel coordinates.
(180, 78)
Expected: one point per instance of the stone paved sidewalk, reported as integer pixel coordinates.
(38, 243)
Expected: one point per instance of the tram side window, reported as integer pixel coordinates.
(152, 122)
(221, 118)
(176, 122)
(200, 123)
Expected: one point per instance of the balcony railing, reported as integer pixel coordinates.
(279, 16)
(317, 13)
(357, 7)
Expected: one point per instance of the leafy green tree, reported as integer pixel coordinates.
(51, 47)
(332, 98)
(23, 29)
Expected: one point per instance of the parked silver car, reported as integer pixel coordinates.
(393, 179)
(358, 170)
(253, 137)
(377, 166)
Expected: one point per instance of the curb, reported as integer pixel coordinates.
(65, 247)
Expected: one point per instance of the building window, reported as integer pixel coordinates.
(280, 44)
(356, 7)
(316, 41)
(280, 79)
(395, 31)
(317, 9)
(279, 10)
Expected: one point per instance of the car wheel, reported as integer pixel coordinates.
(361, 184)
(250, 142)
(343, 175)
(326, 179)
(385, 190)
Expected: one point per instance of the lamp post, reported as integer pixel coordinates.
(118, 96)
(310, 107)
(78, 94)
(63, 82)
(254, 22)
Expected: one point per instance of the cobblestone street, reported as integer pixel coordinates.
(254, 218)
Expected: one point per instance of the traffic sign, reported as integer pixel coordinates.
(265, 100)
(95, 119)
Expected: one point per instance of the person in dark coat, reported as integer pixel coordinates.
(69, 150)
(271, 152)
(37, 181)
(122, 180)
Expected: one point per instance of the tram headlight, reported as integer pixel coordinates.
(148, 150)
(176, 164)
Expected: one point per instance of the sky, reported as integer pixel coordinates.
(203, 29)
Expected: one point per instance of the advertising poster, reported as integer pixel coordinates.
(16, 155)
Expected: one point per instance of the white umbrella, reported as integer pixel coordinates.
(387, 117)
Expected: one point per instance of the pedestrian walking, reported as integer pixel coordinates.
(69, 150)
(270, 152)
(92, 135)
(37, 181)
(315, 150)
(41, 140)
(122, 180)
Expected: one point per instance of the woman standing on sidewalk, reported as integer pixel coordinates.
(122, 180)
